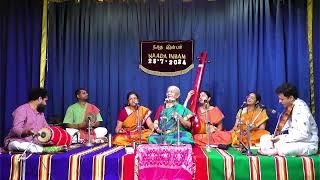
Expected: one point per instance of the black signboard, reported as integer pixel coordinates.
(166, 58)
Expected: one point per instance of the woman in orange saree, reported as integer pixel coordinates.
(128, 121)
(253, 116)
(214, 116)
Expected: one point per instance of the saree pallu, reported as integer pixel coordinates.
(130, 125)
(168, 125)
(256, 117)
(215, 117)
(218, 137)
(92, 111)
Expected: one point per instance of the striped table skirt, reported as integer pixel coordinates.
(99, 162)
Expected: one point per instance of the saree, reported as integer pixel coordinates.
(257, 118)
(130, 125)
(168, 125)
(215, 117)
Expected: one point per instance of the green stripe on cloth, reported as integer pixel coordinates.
(216, 165)
(295, 168)
(267, 165)
(267, 170)
(241, 164)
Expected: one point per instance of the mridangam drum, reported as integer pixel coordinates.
(54, 135)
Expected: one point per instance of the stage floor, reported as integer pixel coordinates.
(102, 162)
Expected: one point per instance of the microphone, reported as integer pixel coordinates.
(137, 104)
(270, 110)
(244, 103)
(206, 104)
(91, 117)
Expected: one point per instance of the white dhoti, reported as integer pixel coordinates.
(284, 148)
(22, 146)
(100, 133)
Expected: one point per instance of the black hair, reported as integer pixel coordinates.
(258, 97)
(132, 92)
(35, 93)
(209, 96)
(287, 90)
(77, 92)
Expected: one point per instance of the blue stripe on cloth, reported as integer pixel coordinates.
(60, 163)
(86, 162)
(32, 167)
(113, 165)
(5, 166)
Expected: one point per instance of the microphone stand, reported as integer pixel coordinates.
(208, 147)
(163, 120)
(177, 117)
(241, 145)
(139, 124)
(249, 127)
(89, 144)
(178, 124)
(249, 152)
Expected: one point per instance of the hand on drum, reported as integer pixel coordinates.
(27, 132)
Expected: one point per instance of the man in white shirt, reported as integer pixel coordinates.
(299, 134)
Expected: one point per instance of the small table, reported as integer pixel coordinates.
(164, 161)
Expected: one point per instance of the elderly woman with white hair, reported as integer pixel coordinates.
(166, 121)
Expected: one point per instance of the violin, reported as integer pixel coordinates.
(284, 118)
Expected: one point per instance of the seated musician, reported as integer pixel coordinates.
(127, 128)
(166, 123)
(296, 133)
(80, 114)
(213, 115)
(28, 119)
(253, 117)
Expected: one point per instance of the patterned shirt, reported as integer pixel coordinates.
(301, 126)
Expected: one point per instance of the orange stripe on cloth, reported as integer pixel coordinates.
(281, 168)
(15, 168)
(44, 167)
(228, 164)
(127, 169)
(255, 173)
(201, 161)
(74, 162)
(98, 167)
(308, 168)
